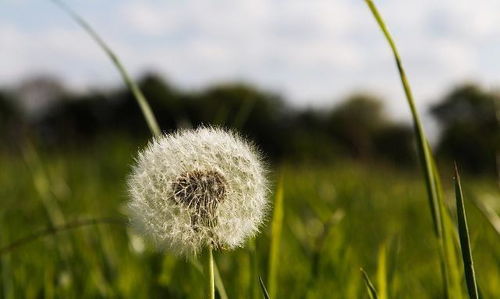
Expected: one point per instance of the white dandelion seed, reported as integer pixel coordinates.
(198, 188)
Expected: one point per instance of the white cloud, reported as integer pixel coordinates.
(313, 51)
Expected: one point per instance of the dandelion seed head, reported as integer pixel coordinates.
(198, 188)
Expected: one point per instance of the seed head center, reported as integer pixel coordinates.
(200, 190)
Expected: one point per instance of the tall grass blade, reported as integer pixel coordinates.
(449, 256)
(263, 288)
(463, 232)
(134, 88)
(372, 292)
(424, 152)
(274, 252)
(432, 181)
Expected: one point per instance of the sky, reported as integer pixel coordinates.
(313, 52)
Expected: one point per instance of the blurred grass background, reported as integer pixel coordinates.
(337, 218)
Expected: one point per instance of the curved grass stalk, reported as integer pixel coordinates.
(141, 100)
(423, 149)
(134, 88)
(442, 229)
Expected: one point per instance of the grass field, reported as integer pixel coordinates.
(330, 223)
(337, 218)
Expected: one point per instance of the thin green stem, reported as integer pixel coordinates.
(210, 273)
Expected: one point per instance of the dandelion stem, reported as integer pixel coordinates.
(210, 272)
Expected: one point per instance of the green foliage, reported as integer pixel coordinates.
(345, 205)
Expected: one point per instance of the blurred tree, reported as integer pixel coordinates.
(309, 140)
(8, 110)
(166, 102)
(396, 143)
(471, 131)
(258, 114)
(354, 123)
(11, 120)
(38, 93)
(75, 118)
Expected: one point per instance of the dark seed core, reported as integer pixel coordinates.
(201, 191)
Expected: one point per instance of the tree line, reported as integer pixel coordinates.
(357, 128)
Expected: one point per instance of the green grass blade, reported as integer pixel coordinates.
(263, 288)
(463, 232)
(489, 214)
(254, 258)
(423, 150)
(372, 292)
(448, 252)
(382, 272)
(219, 284)
(274, 251)
(431, 176)
(7, 289)
(134, 88)
(42, 184)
